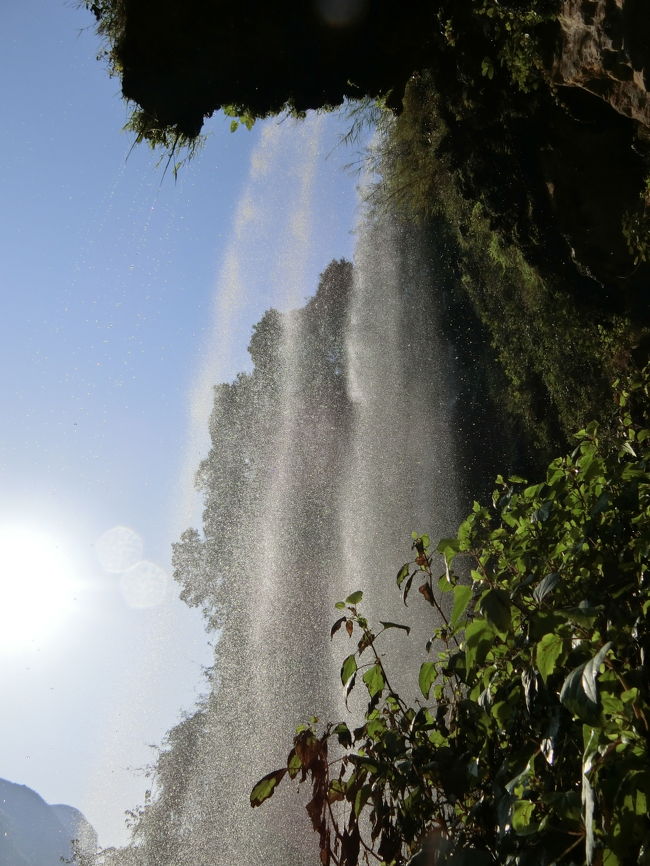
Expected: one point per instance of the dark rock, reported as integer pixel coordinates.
(604, 48)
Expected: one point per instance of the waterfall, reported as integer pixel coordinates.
(400, 462)
(324, 458)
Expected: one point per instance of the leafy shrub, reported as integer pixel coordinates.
(531, 743)
(636, 227)
(513, 33)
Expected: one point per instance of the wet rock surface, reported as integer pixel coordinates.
(605, 50)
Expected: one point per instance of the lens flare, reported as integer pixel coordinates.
(118, 548)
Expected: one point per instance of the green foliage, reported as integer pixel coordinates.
(240, 117)
(636, 227)
(515, 29)
(110, 16)
(512, 35)
(531, 745)
(546, 343)
(177, 147)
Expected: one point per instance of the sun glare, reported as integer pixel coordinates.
(36, 586)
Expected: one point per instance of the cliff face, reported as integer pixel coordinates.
(598, 154)
(546, 103)
(605, 50)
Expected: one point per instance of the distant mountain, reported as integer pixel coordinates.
(34, 833)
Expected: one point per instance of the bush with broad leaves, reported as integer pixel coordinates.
(530, 742)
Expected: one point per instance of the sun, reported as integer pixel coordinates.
(36, 586)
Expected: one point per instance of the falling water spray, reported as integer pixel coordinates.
(266, 659)
(322, 495)
(400, 463)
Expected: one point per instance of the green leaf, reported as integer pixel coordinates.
(487, 69)
(602, 504)
(374, 680)
(449, 547)
(354, 598)
(590, 673)
(576, 699)
(348, 669)
(407, 587)
(495, 606)
(406, 628)
(546, 585)
(529, 681)
(343, 734)
(479, 637)
(521, 817)
(462, 596)
(336, 791)
(611, 703)
(403, 573)
(340, 605)
(520, 783)
(588, 806)
(502, 711)
(361, 798)
(350, 686)
(543, 512)
(636, 799)
(266, 786)
(376, 728)
(584, 615)
(630, 696)
(293, 763)
(566, 805)
(547, 652)
(427, 677)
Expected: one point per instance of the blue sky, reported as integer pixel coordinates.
(125, 296)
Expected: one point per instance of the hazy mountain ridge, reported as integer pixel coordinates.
(35, 833)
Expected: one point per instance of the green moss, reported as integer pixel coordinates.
(557, 348)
